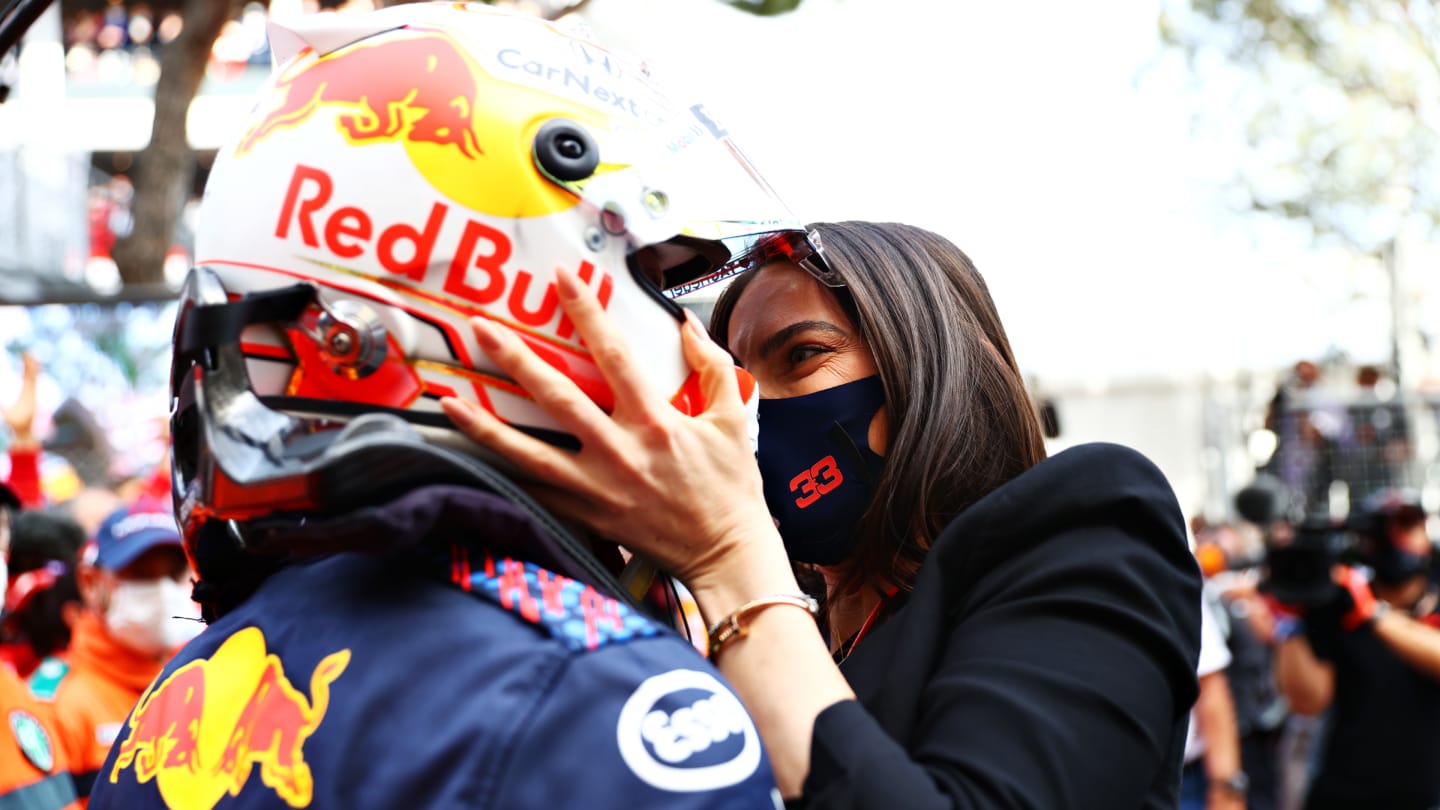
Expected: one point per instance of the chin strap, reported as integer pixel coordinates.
(637, 576)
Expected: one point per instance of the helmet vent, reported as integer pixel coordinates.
(565, 152)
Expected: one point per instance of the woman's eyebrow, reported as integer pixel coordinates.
(783, 336)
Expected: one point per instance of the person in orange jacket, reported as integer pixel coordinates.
(33, 773)
(43, 600)
(134, 579)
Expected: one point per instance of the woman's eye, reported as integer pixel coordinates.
(800, 354)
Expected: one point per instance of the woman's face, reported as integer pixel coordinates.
(793, 336)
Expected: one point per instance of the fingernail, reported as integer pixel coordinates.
(486, 334)
(458, 410)
(693, 322)
(567, 283)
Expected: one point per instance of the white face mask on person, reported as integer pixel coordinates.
(152, 616)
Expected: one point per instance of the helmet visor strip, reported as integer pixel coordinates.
(752, 251)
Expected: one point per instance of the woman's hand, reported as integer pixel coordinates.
(682, 490)
(685, 492)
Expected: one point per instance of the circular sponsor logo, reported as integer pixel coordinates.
(34, 742)
(685, 731)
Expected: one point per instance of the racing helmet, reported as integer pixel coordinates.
(406, 170)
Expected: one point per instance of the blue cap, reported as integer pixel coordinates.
(132, 531)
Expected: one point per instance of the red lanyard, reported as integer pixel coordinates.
(870, 620)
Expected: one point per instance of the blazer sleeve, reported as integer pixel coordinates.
(1061, 685)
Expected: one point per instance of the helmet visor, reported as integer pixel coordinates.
(696, 209)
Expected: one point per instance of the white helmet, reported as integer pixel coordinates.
(403, 171)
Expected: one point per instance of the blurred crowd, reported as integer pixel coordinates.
(119, 42)
(1329, 430)
(1320, 660)
(98, 598)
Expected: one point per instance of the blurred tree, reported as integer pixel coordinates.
(165, 168)
(1341, 104)
(765, 7)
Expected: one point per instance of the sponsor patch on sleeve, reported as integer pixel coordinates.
(685, 731)
(34, 742)
(571, 611)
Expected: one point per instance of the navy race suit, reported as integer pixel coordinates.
(446, 676)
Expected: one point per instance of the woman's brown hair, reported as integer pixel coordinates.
(960, 420)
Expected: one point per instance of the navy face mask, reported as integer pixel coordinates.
(817, 467)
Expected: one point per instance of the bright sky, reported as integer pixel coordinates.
(1054, 141)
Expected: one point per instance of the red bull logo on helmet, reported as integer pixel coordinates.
(214, 724)
(460, 126)
(377, 86)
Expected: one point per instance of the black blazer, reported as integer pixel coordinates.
(1045, 659)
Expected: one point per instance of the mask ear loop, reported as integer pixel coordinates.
(842, 437)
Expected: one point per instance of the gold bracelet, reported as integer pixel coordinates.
(729, 628)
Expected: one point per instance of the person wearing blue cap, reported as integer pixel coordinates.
(134, 580)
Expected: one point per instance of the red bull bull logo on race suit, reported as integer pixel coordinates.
(207, 728)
